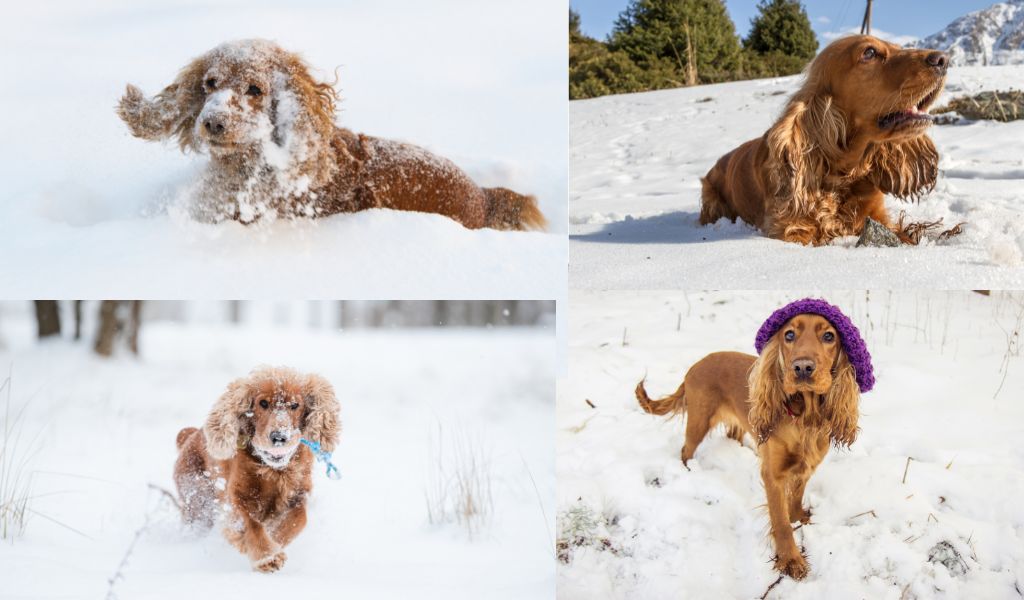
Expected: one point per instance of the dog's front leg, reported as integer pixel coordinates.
(789, 560)
(249, 536)
(293, 522)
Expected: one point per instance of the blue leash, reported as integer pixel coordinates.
(323, 456)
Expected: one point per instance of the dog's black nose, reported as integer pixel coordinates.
(214, 126)
(277, 438)
(939, 60)
(803, 368)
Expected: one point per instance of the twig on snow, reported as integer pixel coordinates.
(905, 469)
(775, 583)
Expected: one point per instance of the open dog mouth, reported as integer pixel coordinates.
(275, 458)
(916, 115)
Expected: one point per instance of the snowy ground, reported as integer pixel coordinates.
(482, 83)
(104, 429)
(636, 162)
(654, 531)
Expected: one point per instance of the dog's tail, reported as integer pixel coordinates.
(511, 211)
(673, 404)
(183, 435)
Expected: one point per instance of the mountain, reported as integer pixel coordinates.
(992, 36)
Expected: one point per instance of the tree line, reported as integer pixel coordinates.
(659, 44)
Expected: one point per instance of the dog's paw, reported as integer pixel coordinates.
(794, 566)
(271, 563)
(803, 515)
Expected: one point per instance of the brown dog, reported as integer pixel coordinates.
(787, 401)
(247, 460)
(275, 150)
(854, 132)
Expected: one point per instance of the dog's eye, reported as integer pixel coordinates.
(254, 90)
(264, 404)
(295, 406)
(869, 53)
(790, 336)
(211, 83)
(829, 336)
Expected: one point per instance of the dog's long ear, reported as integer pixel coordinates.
(172, 112)
(224, 422)
(907, 170)
(808, 137)
(767, 398)
(302, 103)
(841, 402)
(321, 422)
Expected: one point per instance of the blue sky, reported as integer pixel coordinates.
(897, 20)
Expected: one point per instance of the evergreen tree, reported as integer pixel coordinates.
(782, 28)
(678, 41)
(596, 71)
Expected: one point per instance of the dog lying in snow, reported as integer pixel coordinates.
(275, 150)
(247, 460)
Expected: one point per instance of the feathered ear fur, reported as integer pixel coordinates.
(224, 422)
(172, 112)
(808, 138)
(302, 115)
(841, 407)
(907, 170)
(321, 420)
(767, 397)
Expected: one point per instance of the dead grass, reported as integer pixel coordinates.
(458, 487)
(15, 476)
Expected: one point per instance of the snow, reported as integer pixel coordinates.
(103, 430)
(634, 197)
(991, 36)
(647, 528)
(81, 196)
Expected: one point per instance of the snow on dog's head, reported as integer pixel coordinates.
(268, 412)
(256, 109)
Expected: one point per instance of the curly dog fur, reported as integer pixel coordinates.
(275, 150)
(247, 460)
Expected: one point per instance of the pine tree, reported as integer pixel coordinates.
(660, 36)
(782, 27)
(596, 71)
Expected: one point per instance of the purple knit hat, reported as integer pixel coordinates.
(849, 335)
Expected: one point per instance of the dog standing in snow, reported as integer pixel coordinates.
(247, 463)
(797, 397)
(276, 152)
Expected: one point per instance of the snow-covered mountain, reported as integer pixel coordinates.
(993, 36)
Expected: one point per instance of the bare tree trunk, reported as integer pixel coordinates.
(78, 320)
(134, 322)
(47, 318)
(691, 60)
(108, 328)
(865, 27)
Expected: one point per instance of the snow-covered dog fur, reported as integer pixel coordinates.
(275, 151)
(247, 460)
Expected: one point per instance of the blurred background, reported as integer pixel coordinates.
(108, 323)
(446, 451)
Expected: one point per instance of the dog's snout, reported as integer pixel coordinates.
(213, 126)
(278, 438)
(938, 60)
(803, 368)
